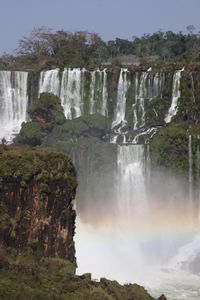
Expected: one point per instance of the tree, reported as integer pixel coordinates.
(38, 43)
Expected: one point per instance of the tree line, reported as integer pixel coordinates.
(83, 49)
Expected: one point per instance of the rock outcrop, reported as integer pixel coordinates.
(36, 193)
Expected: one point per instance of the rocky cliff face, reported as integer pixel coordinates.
(36, 193)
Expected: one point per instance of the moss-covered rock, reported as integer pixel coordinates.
(31, 134)
(47, 111)
(28, 276)
(36, 193)
(169, 148)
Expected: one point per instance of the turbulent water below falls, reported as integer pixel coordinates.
(130, 257)
(148, 238)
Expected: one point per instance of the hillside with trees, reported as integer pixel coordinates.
(45, 48)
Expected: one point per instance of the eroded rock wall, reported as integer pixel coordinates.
(36, 193)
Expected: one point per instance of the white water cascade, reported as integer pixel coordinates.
(155, 84)
(190, 170)
(104, 110)
(49, 82)
(71, 92)
(131, 181)
(198, 180)
(123, 84)
(141, 96)
(98, 92)
(147, 237)
(92, 92)
(149, 86)
(175, 96)
(13, 103)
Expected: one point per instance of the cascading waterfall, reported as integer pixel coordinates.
(49, 82)
(148, 87)
(190, 170)
(141, 97)
(71, 92)
(104, 110)
(123, 84)
(120, 110)
(175, 96)
(98, 92)
(92, 92)
(150, 223)
(155, 85)
(13, 103)
(131, 180)
(134, 106)
(198, 179)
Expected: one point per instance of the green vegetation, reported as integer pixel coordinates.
(31, 134)
(48, 108)
(46, 49)
(29, 276)
(169, 148)
(26, 164)
(46, 112)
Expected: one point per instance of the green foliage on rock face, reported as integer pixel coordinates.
(28, 276)
(48, 108)
(46, 112)
(157, 108)
(31, 134)
(169, 148)
(188, 104)
(89, 125)
(26, 164)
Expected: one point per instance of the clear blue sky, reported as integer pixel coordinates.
(109, 18)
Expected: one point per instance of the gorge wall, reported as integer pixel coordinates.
(36, 191)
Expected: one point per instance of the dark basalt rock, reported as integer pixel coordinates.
(162, 297)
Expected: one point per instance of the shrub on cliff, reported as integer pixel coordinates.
(47, 111)
(31, 134)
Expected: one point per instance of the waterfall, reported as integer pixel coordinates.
(134, 106)
(49, 82)
(104, 111)
(131, 196)
(92, 92)
(98, 92)
(190, 170)
(123, 84)
(148, 87)
(175, 96)
(198, 179)
(71, 92)
(141, 97)
(155, 85)
(13, 103)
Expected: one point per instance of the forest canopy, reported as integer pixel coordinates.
(46, 48)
